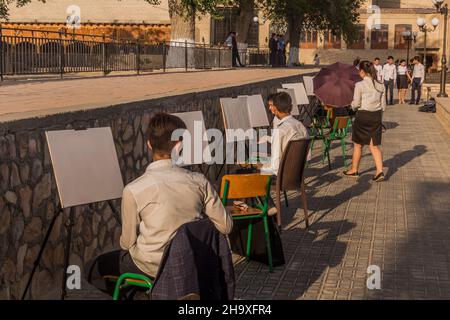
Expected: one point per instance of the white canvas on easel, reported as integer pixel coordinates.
(190, 119)
(309, 85)
(256, 111)
(239, 114)
(85, 166)
(295, 111)
(300, 93)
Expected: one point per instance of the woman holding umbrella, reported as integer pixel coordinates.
(369, 101)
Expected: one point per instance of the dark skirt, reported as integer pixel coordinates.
(402, 81)
(367, 126)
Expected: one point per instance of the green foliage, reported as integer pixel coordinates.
(336, 16)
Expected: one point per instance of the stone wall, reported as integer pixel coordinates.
(28, 195)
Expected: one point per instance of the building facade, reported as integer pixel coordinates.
(125, 19)
(130, 19)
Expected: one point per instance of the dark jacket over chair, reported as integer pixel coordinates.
(198, 261)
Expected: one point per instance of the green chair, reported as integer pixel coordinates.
(255, 187)
(127, 280)
(339, 132)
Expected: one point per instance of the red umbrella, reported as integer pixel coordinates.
(334, 85)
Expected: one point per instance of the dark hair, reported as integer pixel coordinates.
(417, 58)
(390, 57)
(377, 59)
(160, 129)
(282, 101)
(356, 62)
(403, 60)
(369, 69)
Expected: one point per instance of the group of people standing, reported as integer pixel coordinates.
(277, 50)
(402, 75)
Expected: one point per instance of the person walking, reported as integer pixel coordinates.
(390, 78)
(402, 81)
(369, 103)
(234, 51)
(417, 80)
(316, 60)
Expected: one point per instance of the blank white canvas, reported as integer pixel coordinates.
(190, 118)
(309, 85)
(256, 111)
(300, 92)
(291, 92)
(85, 166)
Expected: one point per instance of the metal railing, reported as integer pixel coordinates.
(29, 51)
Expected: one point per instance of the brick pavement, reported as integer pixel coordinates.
(401, 225)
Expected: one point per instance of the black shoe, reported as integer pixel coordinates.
(379, 177)
(417, 102)
(353, 175)
(411, 102)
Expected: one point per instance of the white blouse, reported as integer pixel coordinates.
(369, 97)
(402, 70)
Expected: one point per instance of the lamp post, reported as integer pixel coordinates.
(443, 10)
(422, 24)
(409, 36)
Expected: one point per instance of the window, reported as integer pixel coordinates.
(228, 22)
(387, 3)
(308, 39)
(360, 38)
(400, 43)
(331, 41)
(379, 37)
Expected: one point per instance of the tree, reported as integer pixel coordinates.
(336, 16)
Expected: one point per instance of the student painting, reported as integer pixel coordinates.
(286, 128)
(155, 205)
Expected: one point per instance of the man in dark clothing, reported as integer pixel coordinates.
(235, 52)
(273, 50)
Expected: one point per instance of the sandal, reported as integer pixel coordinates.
(379, 177)
(353, 175)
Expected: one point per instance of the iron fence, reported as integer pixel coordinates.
(28, 51)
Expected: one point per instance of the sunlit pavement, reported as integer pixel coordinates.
(400, 225)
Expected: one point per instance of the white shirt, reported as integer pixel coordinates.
(156, 204)
(285, 130)
(402, 70)
(389, 72)
(379, 69)
(419, 72)
(369, 97)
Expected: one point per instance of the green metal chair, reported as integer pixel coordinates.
(257, 188)
(127, 280)
(339, 132)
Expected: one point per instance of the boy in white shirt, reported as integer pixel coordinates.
(389, 78)
(417, 80)
(379, 68)
(286, 128)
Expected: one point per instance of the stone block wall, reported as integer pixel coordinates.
(29, 198)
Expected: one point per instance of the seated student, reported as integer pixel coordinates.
(286, 128)
(155, 205)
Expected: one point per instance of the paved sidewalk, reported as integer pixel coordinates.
(401, 225)
(32, 99)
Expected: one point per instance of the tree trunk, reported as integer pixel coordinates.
(245, 21)
(182, 35)
(294, 26)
